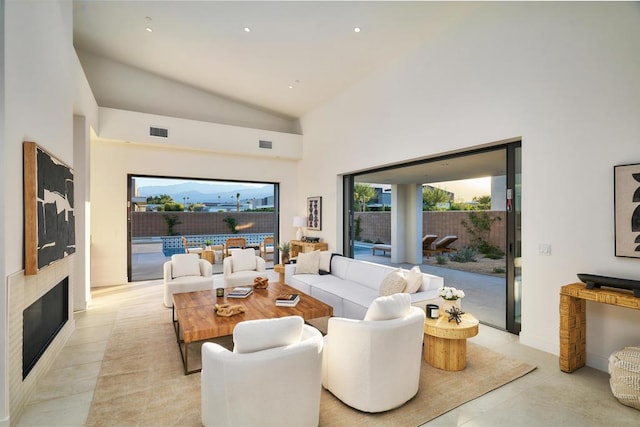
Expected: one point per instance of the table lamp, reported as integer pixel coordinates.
(299, 221)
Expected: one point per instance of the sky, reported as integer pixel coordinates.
(467, 189)
(464, 190)
(147, 182)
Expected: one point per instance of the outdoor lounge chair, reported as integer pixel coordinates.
(443, 244)
(427, 241)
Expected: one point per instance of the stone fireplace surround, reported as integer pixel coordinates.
(22, 292)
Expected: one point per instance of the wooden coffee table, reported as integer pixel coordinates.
(194, 317)
(445, 343)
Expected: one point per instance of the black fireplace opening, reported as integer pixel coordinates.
(41, 322)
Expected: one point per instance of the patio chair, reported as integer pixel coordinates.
(427, 241)
(192, 247)
(266, 248)
(234, 243)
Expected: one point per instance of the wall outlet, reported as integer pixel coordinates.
(544, 249)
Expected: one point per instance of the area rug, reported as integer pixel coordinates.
(141, 381)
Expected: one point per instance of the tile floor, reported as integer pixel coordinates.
(546, 397)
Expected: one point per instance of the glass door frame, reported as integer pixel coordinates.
(513, 150)
(514, 237)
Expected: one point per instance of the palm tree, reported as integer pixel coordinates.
(431, 196)
(362, 193)
(238, 202)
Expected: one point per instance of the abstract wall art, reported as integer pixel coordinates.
(627, 210)
(314, 213)
(49, 219)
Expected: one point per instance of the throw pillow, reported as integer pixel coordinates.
(257, 335)
(325, 262)
(243, 259)
(308, 263)
(393, 283)
(389, 307)
(414, 280)
(185, 265)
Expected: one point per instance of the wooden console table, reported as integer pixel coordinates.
(298, 246)
(573, 320)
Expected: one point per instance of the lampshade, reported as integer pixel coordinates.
(299, 221)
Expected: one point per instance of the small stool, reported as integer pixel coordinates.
(624, 368)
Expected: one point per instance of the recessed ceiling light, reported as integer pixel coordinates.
(290, 86)
(149, 29)
(247, 29)
(356, 29)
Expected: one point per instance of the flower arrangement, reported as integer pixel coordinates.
(450, 293)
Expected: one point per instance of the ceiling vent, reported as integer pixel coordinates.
(161, 132)
(265, 144)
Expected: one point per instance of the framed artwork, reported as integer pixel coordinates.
(626, 180)
(314, 213)
(49, 218)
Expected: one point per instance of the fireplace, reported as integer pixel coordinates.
(42, 321)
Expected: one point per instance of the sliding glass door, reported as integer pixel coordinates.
(473, 196)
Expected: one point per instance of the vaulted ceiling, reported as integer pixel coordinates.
(284, 57)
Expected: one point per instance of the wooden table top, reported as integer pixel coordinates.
(196, 314)
(442, 328)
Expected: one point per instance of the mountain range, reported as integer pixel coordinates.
(202, 192)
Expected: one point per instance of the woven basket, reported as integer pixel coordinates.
(624, 367)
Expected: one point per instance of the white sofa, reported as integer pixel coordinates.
(352, 285)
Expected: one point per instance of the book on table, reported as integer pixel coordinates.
(240, 292)
(287, 300)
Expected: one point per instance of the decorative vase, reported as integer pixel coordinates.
(447, 304)
(285, 259)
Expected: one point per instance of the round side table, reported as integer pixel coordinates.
(445, 343)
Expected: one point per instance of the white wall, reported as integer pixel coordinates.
(564, 77)
(4, 298)
(124, 125)
(109, 190)
(38, 106)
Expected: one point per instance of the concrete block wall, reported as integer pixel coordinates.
(150, 224)
(376, 226)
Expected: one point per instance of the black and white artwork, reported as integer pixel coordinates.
(314, 213)
(49, 212)
(627, 210)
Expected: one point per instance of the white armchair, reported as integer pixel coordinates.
(272, 377)
(186, 273)
(373, 365)
(242, 267)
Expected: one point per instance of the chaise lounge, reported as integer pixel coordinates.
(441, 246)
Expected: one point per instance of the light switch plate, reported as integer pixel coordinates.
(544, 249)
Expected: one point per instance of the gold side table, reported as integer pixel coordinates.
(209, 256)
(445, 343)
